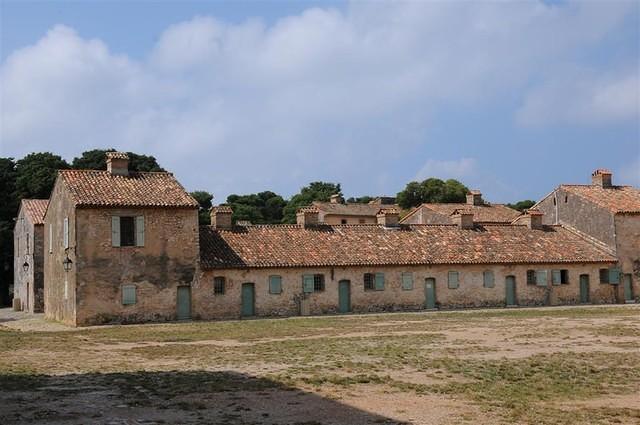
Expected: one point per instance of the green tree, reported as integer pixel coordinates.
(204, 198)
(36, 173)
(316, 191)
(95, 159)
(258, 208)
(8, 210)
(432, 190)
(360, 200)
(522, 205)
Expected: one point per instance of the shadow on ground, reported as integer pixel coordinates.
(168, 398)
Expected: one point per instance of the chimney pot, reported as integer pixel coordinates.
(118, 163)
(463, 218)
(221, 217)
(307, 216)
(601, 178)
(388, 217)
(532, 218)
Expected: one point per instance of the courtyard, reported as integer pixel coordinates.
(540, 365)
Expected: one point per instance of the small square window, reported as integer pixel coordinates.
(564, 276)
(407, 281)
(275, 284)
(604, 275)
(218, 285)
(454, 281)
(343, 221)
(488, 279)
(531, 277)
(369, 282)
(318, 282)
(128, 294)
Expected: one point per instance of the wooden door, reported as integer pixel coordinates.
(430, 293)
(584, 288)
(344, 296)
(184, 302)
(248, 299)
(510, 287)
(628, 289)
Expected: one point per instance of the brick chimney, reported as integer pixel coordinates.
(118, 163)
(463, 218)
(221, 217)
(388, 217)
(336, 199)
(307, 216)
(601, 178)
(531, 218)
(474, 197)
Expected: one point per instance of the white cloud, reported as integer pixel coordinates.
(325, 94)
(454, 169)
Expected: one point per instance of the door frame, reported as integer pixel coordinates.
(627, 279)
(251, 285)
(588, 284)
(348, 285)
(178, 302)
(506, 291)
(427, 280)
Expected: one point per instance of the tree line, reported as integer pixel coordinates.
(34, 176)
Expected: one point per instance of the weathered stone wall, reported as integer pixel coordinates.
(333, 219)
(38, 269)
(427, 216)
(27, 246)
(470, 293)
(56, 305)
(628, 249)
(168, 259)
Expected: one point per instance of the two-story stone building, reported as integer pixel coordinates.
(28, 243)
(336, 211)
(120, 246)
(608, 214)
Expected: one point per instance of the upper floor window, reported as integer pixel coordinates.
(343, 221)
(127, 231)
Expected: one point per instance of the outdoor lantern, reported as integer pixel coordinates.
(25, 266)
(67, 264)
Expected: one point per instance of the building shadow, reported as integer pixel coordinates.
(176, 397)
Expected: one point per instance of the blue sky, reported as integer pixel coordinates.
(240, 97)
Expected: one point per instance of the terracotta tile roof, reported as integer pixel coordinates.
(117, 155)
(350, 245)
(488, 213)
(91, 188)
(35, 209)
(617, 199)
(348, 209)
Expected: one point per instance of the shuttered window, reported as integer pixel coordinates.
(555, 277)
(379, 281)
(604, 275)
(219, 285)
(369, 282)
(128, 294)
(453, 281)
(531, 277)
(407, 281)
(127, 231)
(140, 230)
(275, 284)
(115, 231)
(65, 232)
(488, 279)
(614, 276)
(541, 277)
(307, 283)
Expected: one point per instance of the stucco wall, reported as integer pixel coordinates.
(351, 219)
(470, 293)
(27, 242)
(628, 248)
(427, 216)
(168, 259)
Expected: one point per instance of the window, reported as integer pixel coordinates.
(407, 281)
(65, 233)
(127, 231)
(343, 221)
(566, 199)
(531, 277)
(604, 275)
(275, 284)
(318, 282)
(559, 277)
(453, 280)
(50, 239)
(218, 285)
(361, 221)
(369, 282)
(554, 201)
(564, 276)
(614, 276)
(541, 277)
(488, 279)
(128, 294)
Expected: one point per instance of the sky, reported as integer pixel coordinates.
(511, 98)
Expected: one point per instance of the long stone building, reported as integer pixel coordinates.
(124, 247)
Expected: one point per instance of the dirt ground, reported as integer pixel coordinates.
(539, 366)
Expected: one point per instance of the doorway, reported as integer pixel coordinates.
(584, 288)
(184, 302)
(510, 287)
(248, 299)
(344, 296)
(628, 288)
(430, 293)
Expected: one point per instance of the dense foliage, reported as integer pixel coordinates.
(316, 191)
(95, 159)
(205, 199)
(432, 190)
(258, 208)
(522, 205)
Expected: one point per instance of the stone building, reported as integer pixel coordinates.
(336, 211)
(119, 246)
(609, 215)
(483, 212)
(28, 243)
(312, 268)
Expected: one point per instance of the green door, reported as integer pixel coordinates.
(510, 285)
(344, 296)
(184, 302)
(248, 299)
(584, 288)
(628, 290)
(430, 293)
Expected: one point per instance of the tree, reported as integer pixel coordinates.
(204, 199)
(36, 173)
(316, 191)
(259, 208)
(432, 190)
(522, 205)
(360, 200)
(8, 210)
(95, 159)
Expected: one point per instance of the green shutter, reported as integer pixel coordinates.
(307, 283)
(128, 294)
(140, 230)
(275, 284)
(541, 277)
(556, 277)
(453, 280)
(379, 281)
(115, 231)
(488, 279)
(614, 276)
(407, 281)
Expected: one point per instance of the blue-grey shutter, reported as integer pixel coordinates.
(379, 281)
(275, 284)
(128, 294)
(140, 230)
(614, 276)
(453, 280)
(115, 231)
(307, 283)
(556, 277)
(65, 233)
(50, 238)
(488, 279)
(541, 277)
(407, 281)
